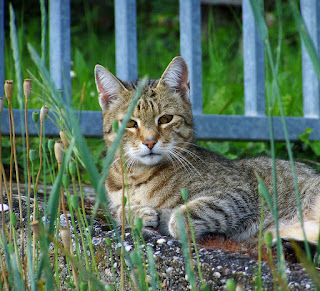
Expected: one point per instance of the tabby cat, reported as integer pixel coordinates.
(161, 159)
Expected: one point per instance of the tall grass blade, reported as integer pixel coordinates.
(183, 237)
(305, 37)
(7, 255)
(259, 18)
(43, 30)
(260, 23)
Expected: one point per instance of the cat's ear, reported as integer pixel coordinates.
(109, 87)
(176, 77)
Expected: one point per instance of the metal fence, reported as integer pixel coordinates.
(253, 125)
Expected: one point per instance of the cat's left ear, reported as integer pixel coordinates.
(176, 77)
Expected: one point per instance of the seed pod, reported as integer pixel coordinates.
(66, 238)
(13, 219)
(27, 87)
(32, 156)
(44, 113)
(75, 202)
(64, 139)
(108, 241)
(184, 194)
(8, 88)
(59, 151)
(35, 116)
(72, 169)
(1, 104)
(138, 224)
(115, 126)
(231, 285)
(66, 180)
(268, 239)
(51, 144)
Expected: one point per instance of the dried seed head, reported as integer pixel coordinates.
(59, 151)
(27, 87)
(66, 238)
(1, 104)
(64, 139)
(35, 226)
(8, 87)
(44, 113)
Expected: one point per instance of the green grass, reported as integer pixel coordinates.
(223, 94)
(92, 39)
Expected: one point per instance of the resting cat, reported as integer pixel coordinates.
(161, 159)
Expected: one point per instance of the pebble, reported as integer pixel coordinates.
(169, 270)
(161, 241)
(4, 207)
(217, 274)
(96, 240)
(128, 248)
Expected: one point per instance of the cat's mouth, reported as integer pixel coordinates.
(151, 158)
(151, 154)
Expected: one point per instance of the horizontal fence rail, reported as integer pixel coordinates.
(253, 125)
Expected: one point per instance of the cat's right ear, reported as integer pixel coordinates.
(109, 87)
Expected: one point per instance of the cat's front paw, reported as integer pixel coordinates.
(148, 215)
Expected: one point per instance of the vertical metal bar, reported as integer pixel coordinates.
(126, 39)
(310, 10)
(2, 63)
(190, 48)
(253, 64)
(60, 51)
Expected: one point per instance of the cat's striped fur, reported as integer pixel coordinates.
(161, 159)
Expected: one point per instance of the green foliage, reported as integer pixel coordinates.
(158, 31)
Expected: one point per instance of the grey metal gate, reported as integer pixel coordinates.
(253, 125)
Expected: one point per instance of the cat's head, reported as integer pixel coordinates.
(161, 126)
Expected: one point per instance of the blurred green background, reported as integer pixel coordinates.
(93, 41)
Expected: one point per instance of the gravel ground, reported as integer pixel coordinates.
(217, 265)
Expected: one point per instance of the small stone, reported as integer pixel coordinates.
(169, 270)
(4, 207)
(128, 248)
(161, 241)
(217, 274)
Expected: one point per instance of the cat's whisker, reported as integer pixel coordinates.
(187, 161)
(189, 152)
(171, 160)
(178, 158)
(129, 163)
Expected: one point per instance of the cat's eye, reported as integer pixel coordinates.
(132, 124)
(165, 119)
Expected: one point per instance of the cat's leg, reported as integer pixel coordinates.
(211, 215)
(148, 215)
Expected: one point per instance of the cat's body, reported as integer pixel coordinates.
(162, 159)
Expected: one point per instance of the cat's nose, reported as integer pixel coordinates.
(150, 142)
